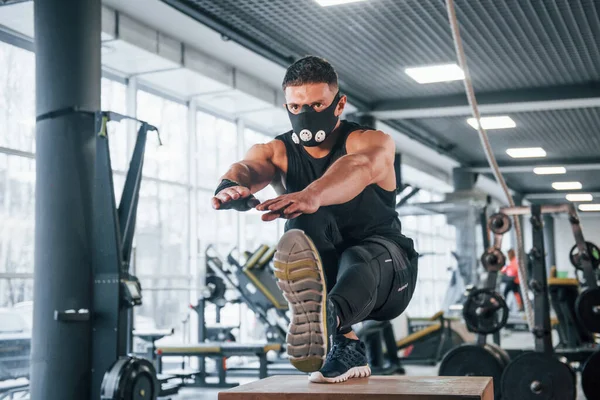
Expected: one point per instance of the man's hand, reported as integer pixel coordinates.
(290, 205)
(229, 194)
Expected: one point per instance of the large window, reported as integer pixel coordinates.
(217, 149)
(17, 174)
(17, 98)
(257, 232)
(434, 239)
(161, 239)
(169, 161)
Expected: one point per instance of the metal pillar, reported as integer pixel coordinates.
(68, 73)
(549, 241)
(539, 284)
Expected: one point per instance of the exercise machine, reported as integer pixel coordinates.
(116, 374)
(484, 313)
(543, 372)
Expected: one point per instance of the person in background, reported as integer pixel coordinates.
(511, 278)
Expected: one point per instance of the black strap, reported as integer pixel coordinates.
(62, 112)
(243, 204)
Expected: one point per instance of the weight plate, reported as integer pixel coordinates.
(485, 311)
(593, 252)
(589, 376)
(130, 378)
(474, 360)
(493, 260)
(587, 307)
(217, 288)
(503, 354)
(499, 223)
(538, 376)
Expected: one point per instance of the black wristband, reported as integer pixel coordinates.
(243, 204)
(226, 183)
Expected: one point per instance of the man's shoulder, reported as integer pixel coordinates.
(362, 137)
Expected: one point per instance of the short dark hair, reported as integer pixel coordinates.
(511, 254)
(310, 69)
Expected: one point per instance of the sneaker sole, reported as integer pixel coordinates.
(299, 274)
(355, 372)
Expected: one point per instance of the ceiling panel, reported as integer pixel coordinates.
(528, 182)
(510, 43)
(564, 134)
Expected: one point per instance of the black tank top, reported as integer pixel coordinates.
(372, 212)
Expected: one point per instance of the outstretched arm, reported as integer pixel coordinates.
(252, 174)
(369, 160)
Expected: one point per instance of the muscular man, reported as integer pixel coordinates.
(342, 259)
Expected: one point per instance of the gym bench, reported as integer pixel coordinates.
(218, 351)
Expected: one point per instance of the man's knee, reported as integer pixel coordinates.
(317, 225)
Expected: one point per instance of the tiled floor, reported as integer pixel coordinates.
(515, 340)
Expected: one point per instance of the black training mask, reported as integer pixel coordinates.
(310, 127)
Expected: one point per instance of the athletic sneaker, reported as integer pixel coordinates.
(300, 276)
(347, 359)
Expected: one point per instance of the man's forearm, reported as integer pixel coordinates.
(240, 173)
(243, 173)
(343, 181)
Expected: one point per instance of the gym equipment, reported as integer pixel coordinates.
(587, 307)
(374, 334)
(219, 352)
(130, 378)
(485, 311)
(115, 290)
(586, 258)
(476, 360)
(593, 253)
(429, 339)
(258, 288)
(589, 376)
(376, 387)
(493, 259)
(500, 223)
(538, 376)
(563, 294)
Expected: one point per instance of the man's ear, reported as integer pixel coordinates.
(340, 106)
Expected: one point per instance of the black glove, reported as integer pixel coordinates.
(242, 204)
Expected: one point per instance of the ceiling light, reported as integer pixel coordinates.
(436, 73)
(327, 3)
(589, 207)
(502, 122)
(549, 170)
(566, 185)
(579, 197)
(526, 152)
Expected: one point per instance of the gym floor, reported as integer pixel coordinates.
(510, 340)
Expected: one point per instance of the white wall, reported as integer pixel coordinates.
(563, 238)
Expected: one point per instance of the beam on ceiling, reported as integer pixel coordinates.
(521, 100)
(229, 32)
(413, 130)
(528, 166)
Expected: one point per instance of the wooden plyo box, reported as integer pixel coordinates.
(375, 387)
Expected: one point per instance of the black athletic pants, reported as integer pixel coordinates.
(367, 281)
